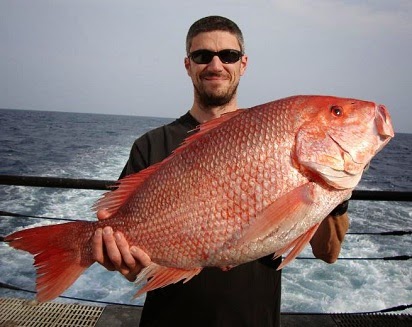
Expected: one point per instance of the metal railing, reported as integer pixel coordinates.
(93, 184)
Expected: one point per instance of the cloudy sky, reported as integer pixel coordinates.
(126, 57)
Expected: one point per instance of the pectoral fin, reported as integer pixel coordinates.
(296, 246)
(281, 214)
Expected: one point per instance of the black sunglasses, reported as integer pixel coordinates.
(227, 56)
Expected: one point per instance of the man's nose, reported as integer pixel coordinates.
(215, 64)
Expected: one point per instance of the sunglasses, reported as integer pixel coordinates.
(227, 56)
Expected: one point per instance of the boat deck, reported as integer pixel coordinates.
(19, 312)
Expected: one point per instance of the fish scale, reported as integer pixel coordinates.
(250, 183)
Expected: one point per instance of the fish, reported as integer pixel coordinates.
(250, 183)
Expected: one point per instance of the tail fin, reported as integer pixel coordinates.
(61, 254)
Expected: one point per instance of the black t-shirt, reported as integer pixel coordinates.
(246, 295)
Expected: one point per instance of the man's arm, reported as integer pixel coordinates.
(327, 241)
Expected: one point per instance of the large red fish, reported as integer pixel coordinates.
(250, 183)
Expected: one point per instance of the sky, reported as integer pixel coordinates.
(126, 57)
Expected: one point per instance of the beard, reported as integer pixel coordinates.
(217, 98)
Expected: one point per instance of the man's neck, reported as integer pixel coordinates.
(202, 114)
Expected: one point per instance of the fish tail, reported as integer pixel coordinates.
(61, 254)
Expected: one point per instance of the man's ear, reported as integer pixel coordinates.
(187, 65)
(243, 64)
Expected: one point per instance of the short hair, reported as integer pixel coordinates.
(214, 23)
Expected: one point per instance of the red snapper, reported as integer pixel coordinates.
(250, 183)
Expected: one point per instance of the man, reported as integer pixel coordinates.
(247, 295)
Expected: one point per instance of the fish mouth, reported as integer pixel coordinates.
(345, 152)
(383, 125)
(383, 121)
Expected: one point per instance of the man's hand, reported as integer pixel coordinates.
(112, 251)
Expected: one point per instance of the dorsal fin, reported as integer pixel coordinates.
(206, 127)
(113, 200)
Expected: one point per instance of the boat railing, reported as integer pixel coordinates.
(94, 184)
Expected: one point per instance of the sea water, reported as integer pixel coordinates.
(96, 146)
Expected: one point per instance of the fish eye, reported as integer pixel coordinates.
(336, 111)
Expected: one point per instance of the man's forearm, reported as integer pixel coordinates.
(327, 241)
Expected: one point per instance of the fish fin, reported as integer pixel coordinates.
(59, 261)
(206, 127)
(125, 187)
(286, 248)
(111, 201)
(160, 276)
(281, 214)
(296, 246)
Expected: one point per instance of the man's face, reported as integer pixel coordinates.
(215, 83)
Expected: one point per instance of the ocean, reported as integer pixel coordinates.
(94, 146)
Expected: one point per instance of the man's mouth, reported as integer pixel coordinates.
(214, 77)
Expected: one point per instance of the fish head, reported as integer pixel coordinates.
(337, 138)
